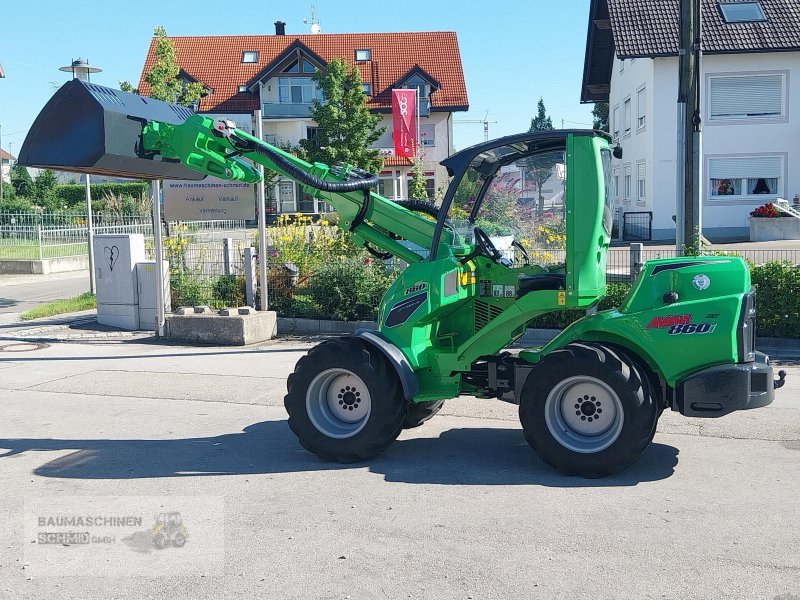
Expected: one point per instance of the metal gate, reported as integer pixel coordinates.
(637, 226)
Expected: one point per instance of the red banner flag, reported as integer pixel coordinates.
(404, 130)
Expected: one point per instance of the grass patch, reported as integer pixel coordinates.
(83, 302)
(29, 249)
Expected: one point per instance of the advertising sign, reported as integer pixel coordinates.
(404, 129)
(211, 199)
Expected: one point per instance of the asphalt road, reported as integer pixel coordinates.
(458, 508)
(19, 293)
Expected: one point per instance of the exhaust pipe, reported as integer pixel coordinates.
(88, 128)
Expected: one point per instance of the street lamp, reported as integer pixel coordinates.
(81, 70)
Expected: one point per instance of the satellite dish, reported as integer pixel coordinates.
(315, 28)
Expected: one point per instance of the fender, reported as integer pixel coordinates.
(408, 378)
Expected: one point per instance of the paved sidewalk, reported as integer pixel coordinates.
(460, 507)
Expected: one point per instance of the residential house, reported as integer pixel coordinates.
(6, 162)
(273, 72)
(750, 106)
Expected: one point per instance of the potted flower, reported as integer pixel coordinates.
(767, 224)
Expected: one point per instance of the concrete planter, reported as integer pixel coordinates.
(765, 229)
(230, 329)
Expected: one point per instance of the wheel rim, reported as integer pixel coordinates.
(584, 414)
(338, 403)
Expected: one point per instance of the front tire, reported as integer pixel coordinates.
(345, 402)
(588, 410)
(419, 412)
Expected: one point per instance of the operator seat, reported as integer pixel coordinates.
(541, 281)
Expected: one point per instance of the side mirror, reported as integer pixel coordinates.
(617, 152)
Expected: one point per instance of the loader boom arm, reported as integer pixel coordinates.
(216, 147)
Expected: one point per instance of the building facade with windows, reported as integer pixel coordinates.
(7, 161)
(274, 73)
(750, 107)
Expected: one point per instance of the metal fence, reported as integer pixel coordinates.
(38, 236)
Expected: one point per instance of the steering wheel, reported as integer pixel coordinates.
(485, 247)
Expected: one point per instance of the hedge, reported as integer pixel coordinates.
(777, 306)
(74, 194)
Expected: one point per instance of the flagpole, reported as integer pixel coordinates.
(416, 102)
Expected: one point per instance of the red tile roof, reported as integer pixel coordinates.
(216, 62)
(6, 156)
(397, 161)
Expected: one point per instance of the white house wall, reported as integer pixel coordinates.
(657, 143)
(637, 145)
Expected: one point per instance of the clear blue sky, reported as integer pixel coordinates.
(513, 52)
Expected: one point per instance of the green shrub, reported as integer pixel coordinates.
(229, 291)
(189, 290)
(615, 295)
(348, 289)
(15, 204)
(74, 194)
(778, 300)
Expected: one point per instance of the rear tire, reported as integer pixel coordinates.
(588, 410)
(345, 402)
(419, 412)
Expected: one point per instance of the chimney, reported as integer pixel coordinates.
(280, 28)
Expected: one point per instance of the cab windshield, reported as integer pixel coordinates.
(514, 195)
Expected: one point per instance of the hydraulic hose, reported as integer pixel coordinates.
(307, 178)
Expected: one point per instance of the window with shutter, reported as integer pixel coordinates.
(615, 123)
(428, 135)
(626, 115)
(641, 182)
(745, 177)
(627, 184)
(641, 103)
(747, 97)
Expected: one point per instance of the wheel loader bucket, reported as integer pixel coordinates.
(87, 128)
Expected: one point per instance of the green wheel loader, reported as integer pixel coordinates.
(588, 401)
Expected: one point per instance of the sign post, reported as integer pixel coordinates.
(262, 221)
(158, 251)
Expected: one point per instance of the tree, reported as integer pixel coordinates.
(44, 190)
(600, 116)
(21, 181)
(163, 76)
(346, 127)
(418, 190)
(539, 168)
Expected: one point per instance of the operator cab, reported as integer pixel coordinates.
(512, 200)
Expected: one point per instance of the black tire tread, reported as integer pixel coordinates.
(355, 355)
(620, 368)
(419, 412)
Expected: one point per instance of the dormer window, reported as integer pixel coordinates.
(367, 88)
(249, 56)
(418, 82)
(242, 89)
(742, 12)
(297, 65)
(363, 54)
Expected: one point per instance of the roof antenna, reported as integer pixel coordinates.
(315, 26)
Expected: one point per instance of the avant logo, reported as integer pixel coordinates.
(664, 322)
(680, 324)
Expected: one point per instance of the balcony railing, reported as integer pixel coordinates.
(281, 110)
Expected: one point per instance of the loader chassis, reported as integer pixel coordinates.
(588, 401)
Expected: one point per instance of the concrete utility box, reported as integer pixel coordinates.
(146, 287)
(115, 259)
